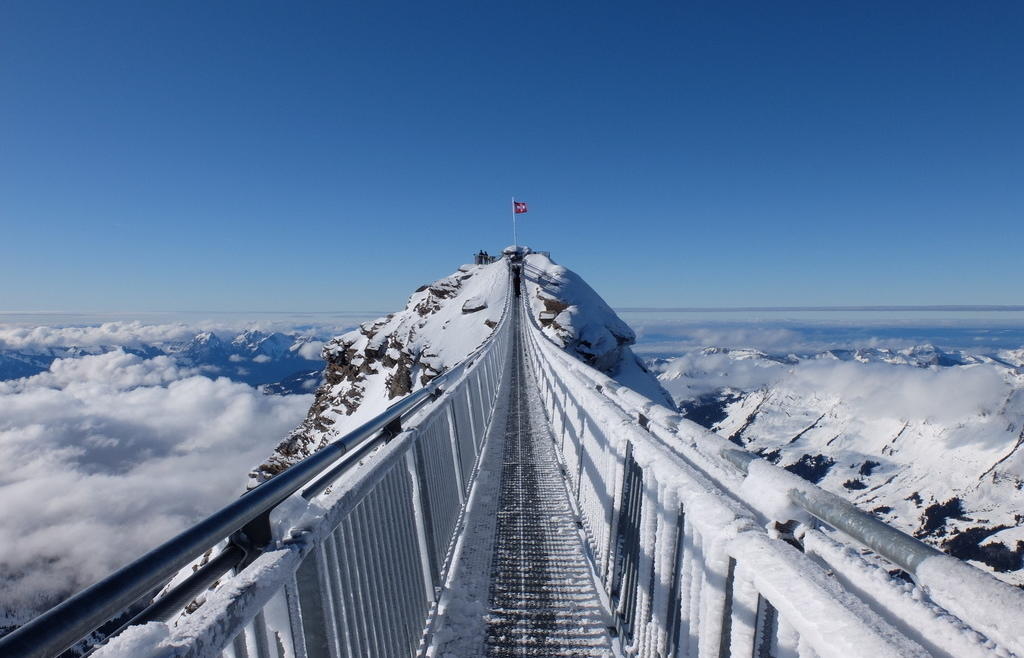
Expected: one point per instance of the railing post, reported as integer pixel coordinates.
(766, 621)
(674, 614)
(614, 504)
(456, 451)
(479, 376)
(295, 619)
(580, 451)
(565, 413)
(725, 635)
(310, 580)
(469, 417)
(421, 529)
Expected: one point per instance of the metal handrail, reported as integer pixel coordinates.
(898, 547)
(902, 549)
(69, 622)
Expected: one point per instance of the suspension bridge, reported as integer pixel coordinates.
(526, 504)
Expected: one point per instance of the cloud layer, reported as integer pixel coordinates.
(881, 390)
(125, 334)
(106, 456)
(134, 334)
(659, 336)
(33, 333)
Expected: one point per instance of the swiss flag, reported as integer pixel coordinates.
(518, 207)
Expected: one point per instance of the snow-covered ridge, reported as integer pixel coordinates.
(578, 320)
(929, 440)
(369, 367)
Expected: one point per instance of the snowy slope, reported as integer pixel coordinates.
(929, 441)
(369, 367)
(575, 317)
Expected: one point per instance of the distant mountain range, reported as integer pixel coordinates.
(930, 440)
(281, 363)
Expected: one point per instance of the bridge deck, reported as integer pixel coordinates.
(522, 551)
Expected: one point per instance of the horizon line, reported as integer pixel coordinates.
(619, 309)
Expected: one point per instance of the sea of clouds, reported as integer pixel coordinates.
(106, 456)
(884, 390)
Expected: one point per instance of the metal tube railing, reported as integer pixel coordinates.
(898, 547)
(75, 618)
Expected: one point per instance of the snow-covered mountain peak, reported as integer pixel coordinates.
(442, 323)
(249, 339)
(578, 320)
(206, 338)
(254, 341)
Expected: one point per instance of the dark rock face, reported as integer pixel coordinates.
(436, 292)
(813, 468)
(868, 466)
(349, 362)
(966, 545)
(969, 543)
(552, 307)
(934, 519)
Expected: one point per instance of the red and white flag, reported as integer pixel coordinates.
(519, 207)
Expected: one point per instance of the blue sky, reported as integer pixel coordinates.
(290, 157)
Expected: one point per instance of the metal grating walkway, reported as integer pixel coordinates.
(543, 600)
(521, 584)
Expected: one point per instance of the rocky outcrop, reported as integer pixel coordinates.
(370, 367)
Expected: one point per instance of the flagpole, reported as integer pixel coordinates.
(515, 238)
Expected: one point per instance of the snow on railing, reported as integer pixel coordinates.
(351, 567)
(706, 550)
